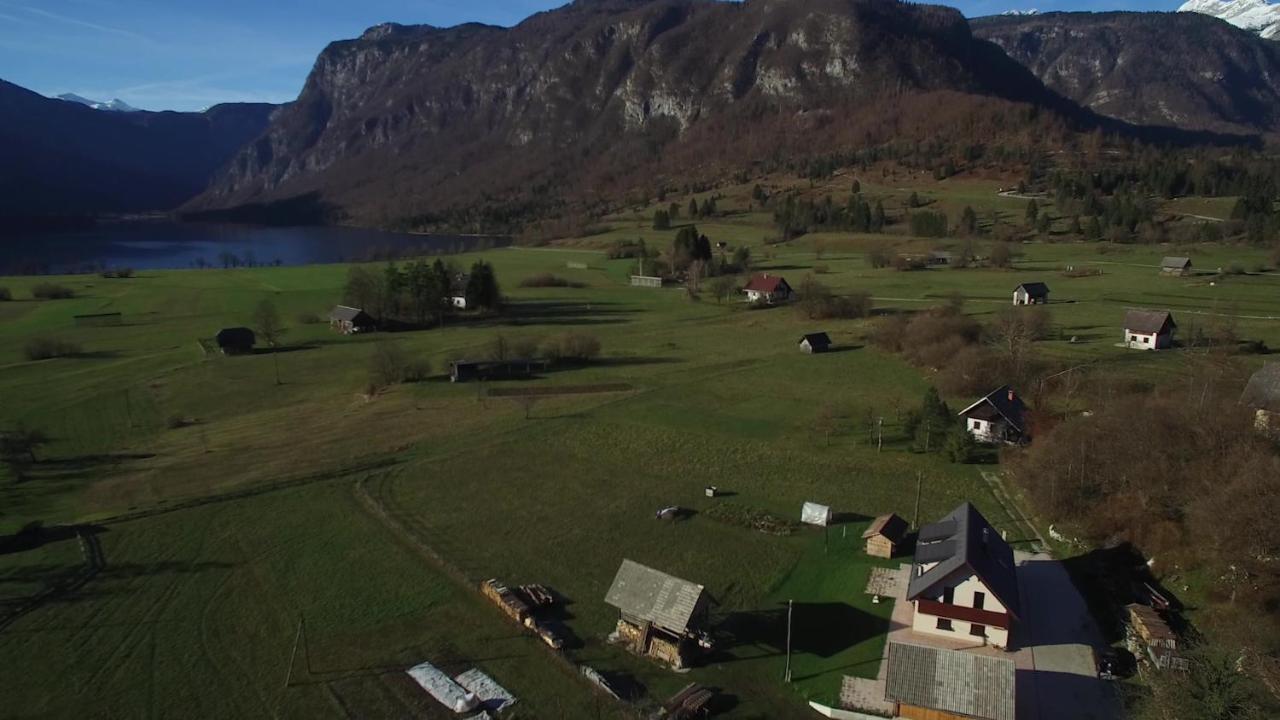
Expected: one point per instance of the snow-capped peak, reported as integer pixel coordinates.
(1256, 15)
(1031, 11)
(116, 104)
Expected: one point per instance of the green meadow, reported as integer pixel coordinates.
(366, 519)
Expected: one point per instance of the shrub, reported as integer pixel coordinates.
(572, 347)
(46, 348)
(5, 295)
(118, 273)
(389, 365)
(52, 291)
(544, 280)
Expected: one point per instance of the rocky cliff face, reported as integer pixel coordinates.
(405, 121)
(1182, 70)
(59, 157)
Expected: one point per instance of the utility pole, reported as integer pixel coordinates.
(915, 518)
(294, 655)
(880, 433)
(790, 607)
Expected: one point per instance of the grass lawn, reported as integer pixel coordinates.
(247, 513)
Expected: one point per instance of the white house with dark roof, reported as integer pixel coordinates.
(1000, 417)
(766, 288)
(936, 684)
(964, 583)
(1034, 293)
(1149, 329)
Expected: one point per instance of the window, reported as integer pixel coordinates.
(1133, 338)
(949, 596)
(978, 630)
(977, 424)
(944, 624)
(979, 599)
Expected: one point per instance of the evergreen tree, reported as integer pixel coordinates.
(661, 220)
(877, 218)
(482, 287)
(968, 222)
(693, 208)
(1033, 211)
(961, 447)
(934, 422)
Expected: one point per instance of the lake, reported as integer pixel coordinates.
(150, 245)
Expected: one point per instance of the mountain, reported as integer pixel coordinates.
(1256, 15)
(602, 97)
(63, 157)
(1183, 70)
(115, 105)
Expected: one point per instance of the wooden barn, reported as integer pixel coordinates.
(1175, 266)
(349, 320)
(818, 342)
(661, 616)
(1149, 329)
(235, 340)
(885, 536)
(929, 683)
(1035, 293)
(468, 370)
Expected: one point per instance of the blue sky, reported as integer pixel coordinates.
(188, 54)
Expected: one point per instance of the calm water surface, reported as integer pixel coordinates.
(164, 244)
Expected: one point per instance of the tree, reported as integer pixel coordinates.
(934, 421)
(1033, 211)
(693, 208)
(1093, 230)
(21, 443)
(1001, 255)
(362, 290)
(856, 187)
(661, 220)
(266, 320)
(673, 212)
(913, 201)
(877, 218)
(387, 365)
(482, 287)
(961, 447)
(968, 222)
(1042, 223)
(742, 258)
(722, 287)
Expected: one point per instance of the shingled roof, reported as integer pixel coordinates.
(952, 681)
(1263, 390)
(890, 526)
(1177, 263)
(1002, 402)
(653, 596)
(1035, 289)
(965, 540)
(1148, 322)
(343, 313)
(767, 283)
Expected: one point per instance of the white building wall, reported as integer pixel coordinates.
(1146, 341)
(986, 431)
(964, 589)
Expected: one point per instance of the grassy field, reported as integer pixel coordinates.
(312, 500)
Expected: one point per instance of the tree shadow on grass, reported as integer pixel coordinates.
(823, 629)
(567, 313)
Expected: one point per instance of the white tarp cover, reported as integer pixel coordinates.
(441, 687)
(492, 695)
(815, 514)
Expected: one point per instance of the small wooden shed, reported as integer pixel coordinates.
(818, 342)
(1175, 266)
(349, 320)
(1032, 293)
(885, 535)
(235, 340)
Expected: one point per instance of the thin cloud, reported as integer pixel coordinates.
(86, 24)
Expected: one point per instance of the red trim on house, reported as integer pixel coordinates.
(967, 614)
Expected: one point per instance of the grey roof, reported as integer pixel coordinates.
(1175, 262)
(1148, 322)
(235, 336)
(1013, 410)
(953, 681)
(648, 594)
(343, 313)
(1035, 289)
(1263, 390)
(818, 339)
(965, 540)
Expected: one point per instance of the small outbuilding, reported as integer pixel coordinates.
(1035, 293)
(466, 370)
(1262, 393)
(660, 616)
(818, 342)
(812, 513)
(1149, 329)
(457, 296)
(1175, 266)
(235, 340)
(1000, 417)
(349, 321)
(930, 683)
(768, 289)
(885, 535)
